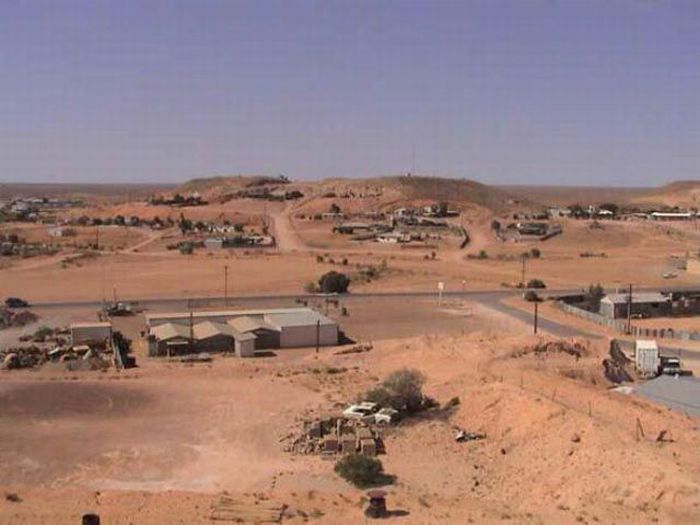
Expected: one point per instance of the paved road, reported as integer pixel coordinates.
(491, 299)
(560, 330)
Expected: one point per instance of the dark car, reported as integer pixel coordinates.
(16, 302)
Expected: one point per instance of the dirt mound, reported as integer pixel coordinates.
(680, 193)
(573, 348)
(10, 317)
(211, 188)
(459, 191)
(111, 191)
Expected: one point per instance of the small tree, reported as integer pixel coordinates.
(532, 297)
(536, 283)
(594, 295)
(535, 253)
(362, 471)
(405, 387)
(184, 224)
(334, 282)
(186, 248)
(334, 208)
(42, 333)
(379, 395)
(483, 254)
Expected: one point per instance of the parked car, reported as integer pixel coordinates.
(369, 412)
(16, 302)
(364, 411)
(386, 416)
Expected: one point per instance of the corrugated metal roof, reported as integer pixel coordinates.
(240, 336)
(91, 325)
(169, 316)
(248, 324)
(169, 331)
(207, 329)
(305, 317)
(637, 297)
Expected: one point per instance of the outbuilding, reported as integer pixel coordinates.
(304, 328)
(245, 345)
(169, 339)
(265, 336)
(216, 331)
(213, 337)
(639, 304)
(90, 333)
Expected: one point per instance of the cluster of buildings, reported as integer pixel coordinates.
(594, 212)
(32, 208)
(529, 230)
(239, 240)
(403, 225)
(238, 331)
(644, 305)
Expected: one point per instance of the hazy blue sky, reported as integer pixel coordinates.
(580, 91)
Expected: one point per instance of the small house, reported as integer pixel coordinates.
(640, 304)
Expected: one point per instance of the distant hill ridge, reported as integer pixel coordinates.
(395, 189)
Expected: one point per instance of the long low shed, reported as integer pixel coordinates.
(244, 330)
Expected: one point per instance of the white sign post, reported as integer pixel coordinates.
(441, 287)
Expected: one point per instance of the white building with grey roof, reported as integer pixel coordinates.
(242, 331)
(639, 304)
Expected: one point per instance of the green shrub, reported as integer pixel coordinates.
(362, 471)
(406, 389)
(43, 332)
(379, 395)
(535, 253)
(536, 283)
(334, 282)
(532, 297)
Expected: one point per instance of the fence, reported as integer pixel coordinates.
(621, 326)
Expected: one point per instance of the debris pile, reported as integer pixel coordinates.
(10, 317)
(462, 435)
(357, 349)
(67, 358)
(333, 435)
(23, 357)
(559, 346)
(615, 367)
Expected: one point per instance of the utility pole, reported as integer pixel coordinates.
(225, 284)
(535, 319)
(191, 331)
(629, 310)
(318, 335)
(104, 293)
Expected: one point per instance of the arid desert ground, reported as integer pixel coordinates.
(164, 441)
